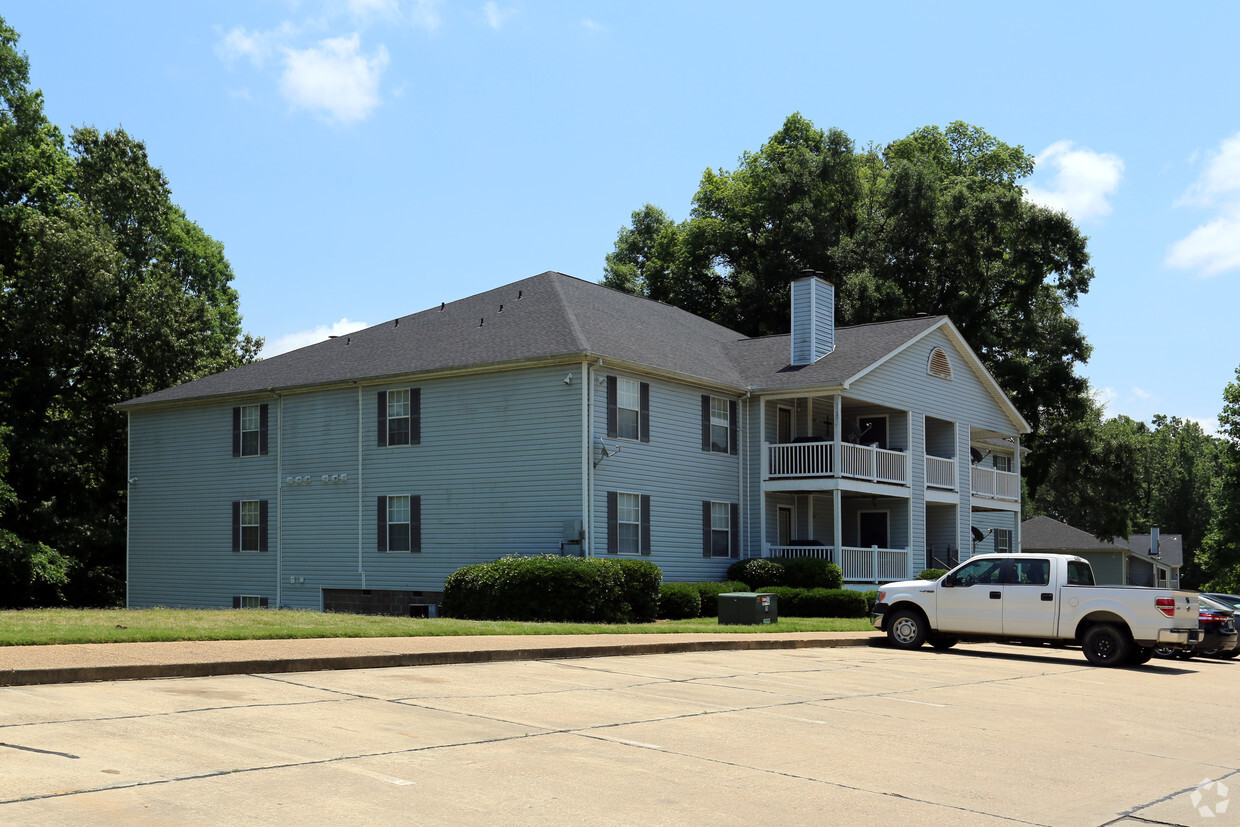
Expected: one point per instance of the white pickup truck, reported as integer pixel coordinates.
(1037, 598)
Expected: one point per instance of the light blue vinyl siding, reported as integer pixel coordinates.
(1108, 566)
(673, 470)
(185, 480)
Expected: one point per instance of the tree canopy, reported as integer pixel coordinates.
(934, 222)
(107, 291)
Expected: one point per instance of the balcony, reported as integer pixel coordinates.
(860, 565)
(996, 485)
(816, 459)
(940, 473)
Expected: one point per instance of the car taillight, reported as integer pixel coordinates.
(1166, 605)
(1211, 617)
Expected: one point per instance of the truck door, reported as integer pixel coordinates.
(1029, 606)
(972, 599)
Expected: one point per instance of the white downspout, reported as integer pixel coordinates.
(129, 478)
(1017, 543)
(586, 383)
(279, 502)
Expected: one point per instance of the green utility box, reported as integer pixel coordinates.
(747, 609)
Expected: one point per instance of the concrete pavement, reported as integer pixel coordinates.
(77, 663)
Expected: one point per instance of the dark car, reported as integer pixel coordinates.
(1218, 632)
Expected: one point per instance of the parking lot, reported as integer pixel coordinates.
(981, 734)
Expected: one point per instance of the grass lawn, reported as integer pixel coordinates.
(49, 626)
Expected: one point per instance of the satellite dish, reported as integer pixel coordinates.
(854, 432)
(977, 456)
(978, 536)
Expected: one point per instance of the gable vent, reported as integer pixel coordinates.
(939, 365)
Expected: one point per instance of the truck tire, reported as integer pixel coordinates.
(1106, 644)
(943, 642)
(907, 629)
(1140, 655)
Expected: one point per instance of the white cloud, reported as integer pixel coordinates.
(1208, 424)
(593, 25)
(495, 16)
(1104, 396)
(292, 341)
(1141, 393)
(241, 43)
(1082, 180)
(1213, 247)
(425, 14)
(334, 78)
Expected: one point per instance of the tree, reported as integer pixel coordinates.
(1220, 550)
(108, 291)
(934, 222)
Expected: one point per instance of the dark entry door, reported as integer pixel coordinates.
(872, 529)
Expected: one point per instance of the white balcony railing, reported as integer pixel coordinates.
(997, 485)
(815, 459)
(874, 565)
(818, 552)
(940, 473)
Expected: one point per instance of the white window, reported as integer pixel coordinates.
(251, 601)
(398, 523)
(1003, 540)
(398, 409)
(1003, 463)
(720, 425)
(720, 529)
(628, 523)
(251, 525)
(628, 408)
(251, 426)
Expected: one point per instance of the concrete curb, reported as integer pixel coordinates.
(197, 669)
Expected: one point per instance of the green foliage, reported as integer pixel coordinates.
(811, 573)
(758, 572)
(679, 601)
(819, 602)
(871, 597)
(1219, 557)
(934, 222)
(710, 592)
(931, 574)
(556, 589)
(107, 292)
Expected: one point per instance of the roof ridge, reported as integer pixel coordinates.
(570, 312)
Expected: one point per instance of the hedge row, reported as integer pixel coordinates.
(680, 601)
(797, 572)
(556, 589)
(819, 602)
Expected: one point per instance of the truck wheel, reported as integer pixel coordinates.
(1140, 655)
(907, 629)
(1164, 652)
(942, 642)
(1105, 644)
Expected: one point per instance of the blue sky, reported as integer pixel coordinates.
(363, 159)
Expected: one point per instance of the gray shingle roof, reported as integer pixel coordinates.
(1047, 534)
(549, 316)
(1170, 547)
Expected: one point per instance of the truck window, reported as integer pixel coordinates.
(979, 571)
(1080, 574)
(1031, 572)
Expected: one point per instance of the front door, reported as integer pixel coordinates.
(974, 601)
(784, 426)
(872, 529)
(873, 430)
(785, 525)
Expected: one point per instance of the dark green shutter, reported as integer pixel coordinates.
(262, 430)
(381, 516)
(236, 432)
(735, 526)
(705, 422)
(612, 417)
(236, 525)
(415, 522)
(643, 418)
(645, 524)
(613, 527)
(706, 528)
(262, 525)
(415, 416)
(382, 423)
(732, 427)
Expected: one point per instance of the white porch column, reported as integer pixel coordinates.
(837, 420)
(1017, 543)
(838, 527)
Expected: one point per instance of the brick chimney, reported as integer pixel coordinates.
(813, 318)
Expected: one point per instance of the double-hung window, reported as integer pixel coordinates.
(628, 409)
(628, 523)
(1002, 463)
(719, 425)
(249, 425)
(720, 529)
(249, 525)
(400, 523)
(1003, 540)
(400, 416)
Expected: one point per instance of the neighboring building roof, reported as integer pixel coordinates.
(553, 316)
(1170, 547)
(1047, 534)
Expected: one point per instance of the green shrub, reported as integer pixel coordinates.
(556, 589)
(758, 572)
(819, 602)
(640, 589)
(931, 574)
(679, 601)
(811, 573)
(710, 592)
(871, 597)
